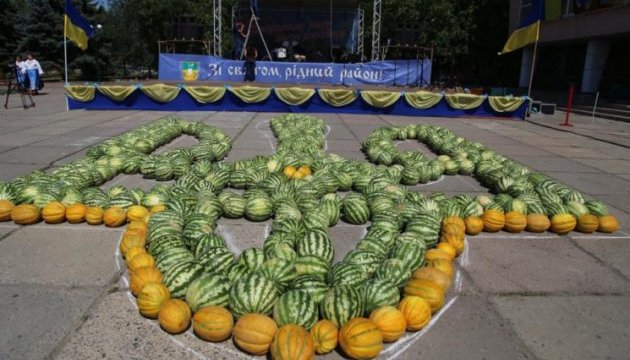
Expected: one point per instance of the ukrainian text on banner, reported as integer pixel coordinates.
(184, 67)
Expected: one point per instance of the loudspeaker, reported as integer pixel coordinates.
(548, 109)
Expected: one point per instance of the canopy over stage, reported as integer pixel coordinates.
(292, 99)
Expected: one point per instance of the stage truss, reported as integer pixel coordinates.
(376, 29)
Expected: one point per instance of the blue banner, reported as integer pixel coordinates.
(185, 67)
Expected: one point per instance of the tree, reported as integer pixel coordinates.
(8, 30)
(42, 30)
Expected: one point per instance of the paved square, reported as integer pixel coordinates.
(63, 292)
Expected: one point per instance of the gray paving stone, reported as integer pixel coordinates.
(36, 154)
(241, 154)
(35, 318)
(7, 228)
(20, 140)
(342, 146)
(357, 155)
(242, 236)
(575, 152)
(11, 171)
(115, 330)
(75, 140)
(338, 132)
(570, 327)
(556, 164)
(456, 183)
(469, 329)
(258, 141)
(362, 119)
(593, 183)
(614, 252)
(520, 150)
(345, 238)
(63, 255)
(613, 166)
(521, 264)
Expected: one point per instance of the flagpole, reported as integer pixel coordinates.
(65, 57)
(531, 73)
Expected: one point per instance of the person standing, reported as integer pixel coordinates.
(20, 71)
(250, 63)
(33, 71)
(238, 33)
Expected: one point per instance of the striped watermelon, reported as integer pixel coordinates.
(355, 209)
(344, 273)
(331, 208)
(314, 286)
(253, 293)
(236, 271)
(252, 258)
(311, 265)
(317, 244)
(379, 292)
(207, 290)
(576, 209)
(367, 260)
(197, 225)
(295, 307)
(316, 220)
(258, 208)
(596, 208)
(281, 272)
(340, 304)
(216, 260)
(232, 204)
(178, 277)
(158, 247)
(171, 256)
(281, 251)
(373, 245)
(394, 271)
(208, 241)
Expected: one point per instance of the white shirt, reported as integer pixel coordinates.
(33, 65)
(21, 65)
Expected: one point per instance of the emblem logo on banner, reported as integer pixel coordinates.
(190, 70)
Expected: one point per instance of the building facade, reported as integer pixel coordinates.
(584, 42)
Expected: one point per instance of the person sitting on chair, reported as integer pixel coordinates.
(34, 71)
(239, 38)
(20, 71)
(251, 54)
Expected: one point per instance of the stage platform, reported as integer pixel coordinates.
(302, 99)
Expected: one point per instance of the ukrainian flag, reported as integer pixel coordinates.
(528, 28)
(76, 27)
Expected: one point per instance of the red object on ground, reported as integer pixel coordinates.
(569, 103)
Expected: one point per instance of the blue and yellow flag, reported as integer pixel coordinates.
(76, 27)
(528, 27)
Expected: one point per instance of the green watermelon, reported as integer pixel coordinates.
(207, 290)
(252, 293)
(314, 286)
(178, 277)
(340, 304)
(345, 273)
(378, 293)
(316, 244)
(295, 307)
